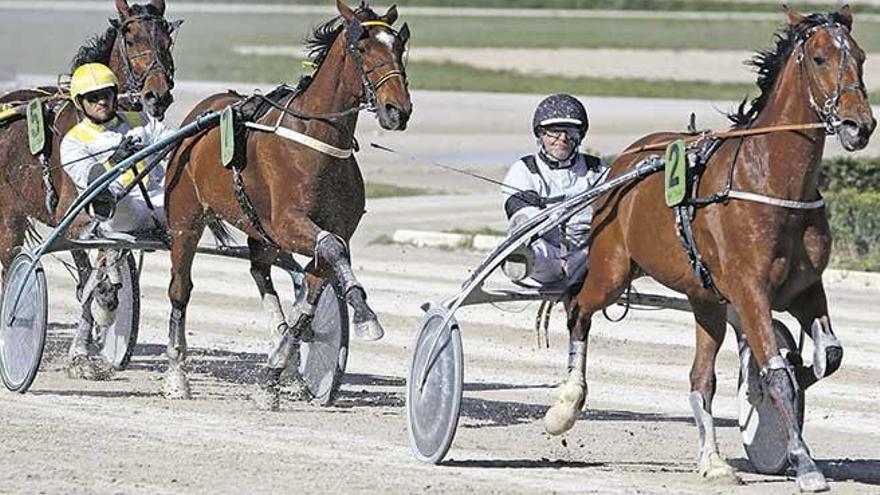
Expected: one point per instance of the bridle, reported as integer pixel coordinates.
(369, 97)
(828, 110)
(134, 82)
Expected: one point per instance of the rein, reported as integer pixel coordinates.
(724, 135)
(367, 101)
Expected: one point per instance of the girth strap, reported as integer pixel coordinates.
(303, 139)
(783, 203)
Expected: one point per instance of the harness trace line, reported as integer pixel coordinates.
(413, 158)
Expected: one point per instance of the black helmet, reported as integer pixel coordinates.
(560, 110)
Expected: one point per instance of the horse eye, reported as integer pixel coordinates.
(819, 60)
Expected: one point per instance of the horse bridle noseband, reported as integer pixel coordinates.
(134, 83)
(827, 112)
(369, 98)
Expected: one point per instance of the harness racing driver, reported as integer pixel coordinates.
(103, 138)
(558, 171)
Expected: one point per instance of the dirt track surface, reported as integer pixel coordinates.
(637, 436)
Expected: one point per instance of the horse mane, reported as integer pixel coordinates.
(324, 35)
(769, 63)
(98, 47)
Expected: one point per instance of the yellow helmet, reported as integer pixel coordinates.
(91, 77)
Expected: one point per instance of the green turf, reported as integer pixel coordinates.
(376, 190)
(648, 5)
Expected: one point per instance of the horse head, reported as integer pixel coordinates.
(377, 50)
(142, 54)
(831, 62)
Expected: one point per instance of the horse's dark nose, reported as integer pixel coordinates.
(156, 104)
(395, 118)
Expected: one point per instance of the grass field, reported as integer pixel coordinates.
(649, 5)
(204, 48)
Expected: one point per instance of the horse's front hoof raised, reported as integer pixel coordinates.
(717, 470)
(176, 386)
(812, 482)
(562, 416)
(369, 330)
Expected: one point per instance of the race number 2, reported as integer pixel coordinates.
(676, 173)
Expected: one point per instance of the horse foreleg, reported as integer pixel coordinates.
(779, 381)
(811, 310)
(711, 328)
(332, 251)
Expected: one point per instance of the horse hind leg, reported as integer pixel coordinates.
(711, 327)
(283, 341)
(183, 249)
(602, 287)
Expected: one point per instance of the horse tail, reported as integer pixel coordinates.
(221, 233)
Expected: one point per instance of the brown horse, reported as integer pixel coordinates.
(764, 254)
(137, 48)
(292, 197)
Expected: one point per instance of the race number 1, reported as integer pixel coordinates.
(227, 137)
(676, 173)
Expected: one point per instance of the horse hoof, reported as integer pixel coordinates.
(299, 390)
(267, 398)
(86, 368)
(825, 363)
(562, 416)
(369, 330)
(176, 386)
(812, 482)
(717, 470)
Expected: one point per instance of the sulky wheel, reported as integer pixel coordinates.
(117, 344)
(323, 357)
(23, 309)
(433, 389)
(762, 430)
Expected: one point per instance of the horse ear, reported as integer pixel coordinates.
(794, 17)
(404, 33)
(344, 10)
(160, 6)
(846, 13)
(122, 8)
(391, 15)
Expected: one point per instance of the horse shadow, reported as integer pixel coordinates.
(865, 471)
(492, 414)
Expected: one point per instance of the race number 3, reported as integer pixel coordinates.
(676, 173)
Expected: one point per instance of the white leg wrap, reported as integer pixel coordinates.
(572, 394)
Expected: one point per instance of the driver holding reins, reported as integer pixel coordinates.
(555, 173)
(103, 138)
(106, 137)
